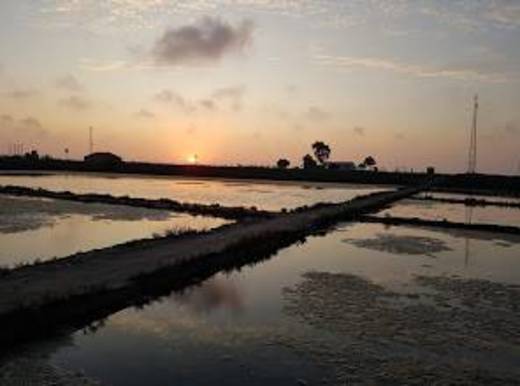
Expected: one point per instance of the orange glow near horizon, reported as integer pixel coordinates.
(193, 159)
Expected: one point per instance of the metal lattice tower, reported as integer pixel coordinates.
(472, 159)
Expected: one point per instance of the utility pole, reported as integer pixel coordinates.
(472, 158)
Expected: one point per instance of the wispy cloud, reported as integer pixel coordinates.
(358, 130)
(233, 95)
(316, 114)
(24, 128)
(21, 93)
(101, 15)
(422, 71)
(102, 65)
(221, 97)
(68, 82)
(145, 114)
(75, 102)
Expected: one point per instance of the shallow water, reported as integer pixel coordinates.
(233, 329)
(32, 228)
(431, 210)
(264, 195)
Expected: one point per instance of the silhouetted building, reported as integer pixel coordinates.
(103, 160)
(430, 170)
(341, 165)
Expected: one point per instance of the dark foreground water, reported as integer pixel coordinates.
(319, 313)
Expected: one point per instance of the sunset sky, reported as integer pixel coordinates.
(250, 81)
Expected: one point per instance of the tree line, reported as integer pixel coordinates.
(320, 159)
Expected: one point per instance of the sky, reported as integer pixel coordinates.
(251, 81)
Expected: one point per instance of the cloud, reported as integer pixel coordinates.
(358, 130)
(171, 97)
(512, 128)
(96, 65)
(399, 136)
(349, 63)
(75, 102)
(69, 83)
(31, 122)
(504, 12)
(208, 40)
(143, 113)
(28, 130)
(6, 118)
(20, 94)
(232, 95)
(208, 104)
(316, 114)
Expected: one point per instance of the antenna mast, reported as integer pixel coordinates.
(472, 159)
(91, 140)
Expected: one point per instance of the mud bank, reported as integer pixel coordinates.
(229, 213)
(469, 201)
(505, 229)
(88, 277)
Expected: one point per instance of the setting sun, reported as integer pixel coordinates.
(193, 158)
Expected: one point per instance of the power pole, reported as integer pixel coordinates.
(472, 158)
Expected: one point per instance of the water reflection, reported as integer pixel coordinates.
(430, 210)
(234, 326)
(264, 195)
(214, 294)
(469, 218)
(42, 229)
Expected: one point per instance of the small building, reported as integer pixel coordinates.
(430, 170)
(103, 160)
(342, 165)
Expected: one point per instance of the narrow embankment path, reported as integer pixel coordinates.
(115, 268)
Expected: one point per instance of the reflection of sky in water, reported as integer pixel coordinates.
(431, 210)
(232, 329)
(265, 195)
(35, 228)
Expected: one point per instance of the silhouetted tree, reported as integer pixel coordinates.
(309, 162)
(321, 151)
(370, 161)
(283, 163)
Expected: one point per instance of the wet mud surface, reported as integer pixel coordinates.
(449, 331)
(20, 214)
(402, 244)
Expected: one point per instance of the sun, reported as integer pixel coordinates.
(193, 158)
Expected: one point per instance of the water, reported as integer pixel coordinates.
(431, 210)
(233, 329)
(32, 228)
(264, 195)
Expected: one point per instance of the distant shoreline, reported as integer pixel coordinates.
(485, 184)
